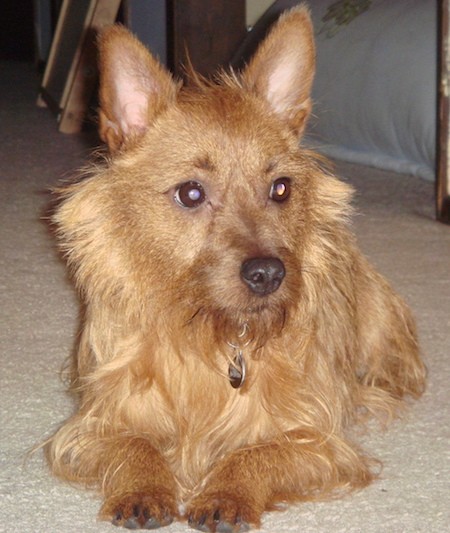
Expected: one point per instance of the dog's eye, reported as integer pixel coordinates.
(280, 190)
(190, 194)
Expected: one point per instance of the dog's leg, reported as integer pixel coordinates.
(139, 488)
(250, 481)
(389, 357)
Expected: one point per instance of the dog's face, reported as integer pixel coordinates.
(217, 199)
(206, 202)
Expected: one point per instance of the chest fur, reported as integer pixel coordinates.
(194, 416)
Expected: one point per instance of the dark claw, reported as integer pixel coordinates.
(136, 522)
(224, 527)
(238, 527)
(152, 523)
(131, 523)
(199, 524)
(219, 527)
(243, 526)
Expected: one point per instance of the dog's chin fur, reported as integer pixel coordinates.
(166, 311)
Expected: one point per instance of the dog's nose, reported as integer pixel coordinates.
(263, 275)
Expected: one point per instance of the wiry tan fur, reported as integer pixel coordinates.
(158, 422)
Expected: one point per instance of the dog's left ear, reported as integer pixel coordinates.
(282, 69)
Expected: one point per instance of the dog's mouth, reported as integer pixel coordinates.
(235, 336)
(259, 321)
(259, 295)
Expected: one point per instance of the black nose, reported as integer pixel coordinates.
(263, 275)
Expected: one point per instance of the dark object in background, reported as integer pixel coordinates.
(16, 30)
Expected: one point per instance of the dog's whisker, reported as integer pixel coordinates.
(192, 318)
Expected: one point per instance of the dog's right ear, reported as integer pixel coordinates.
(134, 87)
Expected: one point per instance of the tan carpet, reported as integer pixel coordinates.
(38, 313)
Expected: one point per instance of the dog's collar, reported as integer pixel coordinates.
(237, 367)
(237, 370)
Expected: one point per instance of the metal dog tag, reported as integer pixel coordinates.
(236, 371)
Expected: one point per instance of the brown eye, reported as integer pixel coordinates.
(280, 190)
(190, 194)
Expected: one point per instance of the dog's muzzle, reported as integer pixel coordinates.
(263, 275)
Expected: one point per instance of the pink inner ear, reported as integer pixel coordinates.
(281, 88)
(131, 105)
(289, 82)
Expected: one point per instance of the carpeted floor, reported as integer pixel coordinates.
(38, 312)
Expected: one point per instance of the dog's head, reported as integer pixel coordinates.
(207, 206)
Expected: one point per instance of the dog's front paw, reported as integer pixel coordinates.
(223, 512)
(140, 510)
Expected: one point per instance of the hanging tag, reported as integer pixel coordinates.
(236, 371)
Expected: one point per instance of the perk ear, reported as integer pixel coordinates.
(134, 87)
(282, 69)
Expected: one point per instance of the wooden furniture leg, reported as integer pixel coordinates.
(443, 128)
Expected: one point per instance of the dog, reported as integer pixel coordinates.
(232, 332)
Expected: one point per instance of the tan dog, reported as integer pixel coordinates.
(232, 330)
